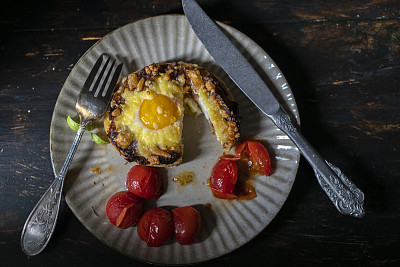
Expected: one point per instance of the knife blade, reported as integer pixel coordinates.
(347, 198)
(228, 56)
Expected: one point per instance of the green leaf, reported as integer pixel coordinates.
(72, 124)
(89, 127)
(75, 125)
(97, 139)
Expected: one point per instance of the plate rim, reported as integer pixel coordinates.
(294, 170)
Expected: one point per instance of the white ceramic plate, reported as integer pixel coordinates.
(227, 225)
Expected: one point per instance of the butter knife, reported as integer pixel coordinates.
(347, 198)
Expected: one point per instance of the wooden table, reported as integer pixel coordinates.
(342, 61)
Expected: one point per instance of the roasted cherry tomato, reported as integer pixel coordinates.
(187, 223)
(256, 154)
(155, 227)
(239, 149)
(124, 209)
(223, 178)
(245, 191)
(230, 157)
(145, 182)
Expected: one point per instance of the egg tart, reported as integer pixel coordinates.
(144, 118)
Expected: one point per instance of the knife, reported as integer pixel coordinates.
(347, 198)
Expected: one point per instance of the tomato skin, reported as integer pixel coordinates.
(223, 179)
(187, 224)
(145, 182)
(239, 149)
(124, 209)
(155, 227)
(230, 157)
(257, 154)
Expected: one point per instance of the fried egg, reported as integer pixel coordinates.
(153, 116)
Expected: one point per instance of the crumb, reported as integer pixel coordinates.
(93, 183)
(207, 205)
(184, 178)
(96, 170)
(102, 184)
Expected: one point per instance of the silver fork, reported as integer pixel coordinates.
(91, 104)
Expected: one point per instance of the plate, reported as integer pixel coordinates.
(227, 224)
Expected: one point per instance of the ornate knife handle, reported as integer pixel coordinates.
(346, 197)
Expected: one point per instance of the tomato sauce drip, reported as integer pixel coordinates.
(245, 191)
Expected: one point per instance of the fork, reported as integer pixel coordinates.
(91, 104)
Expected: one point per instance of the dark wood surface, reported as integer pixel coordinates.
(342, 61)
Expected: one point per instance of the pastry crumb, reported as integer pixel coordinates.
(184, 178)
(96, 170)
(207, 205)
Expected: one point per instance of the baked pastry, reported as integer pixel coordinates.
(144, 119)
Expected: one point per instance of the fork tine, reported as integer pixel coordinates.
(113, 82)
(92, 74)
(106, 78)
(100, 76)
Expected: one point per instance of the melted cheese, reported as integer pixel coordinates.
(149, 139)
(212, 114)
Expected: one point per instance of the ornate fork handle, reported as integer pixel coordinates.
(346, 197)
(41, 223)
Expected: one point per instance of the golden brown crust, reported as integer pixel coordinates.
(222, 99)
(190, 78)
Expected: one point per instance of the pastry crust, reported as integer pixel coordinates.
(196, 83)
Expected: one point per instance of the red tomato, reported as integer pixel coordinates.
(155, 227)
(223, 178)
(245, 191)
(256, 154)
(230, 157)
(145, 182)
(124, 209)
(239, 148)
(187, 223)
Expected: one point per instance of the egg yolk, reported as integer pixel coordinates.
(159, 112)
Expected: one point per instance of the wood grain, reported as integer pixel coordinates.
(342, 61)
